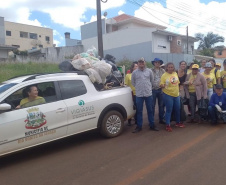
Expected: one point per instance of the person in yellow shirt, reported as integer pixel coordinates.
(170, 86)
(128, 82)
(215, 71)
(210, 79)
(218, 66)
(223, 76)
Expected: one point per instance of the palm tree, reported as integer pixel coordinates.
(208, 41)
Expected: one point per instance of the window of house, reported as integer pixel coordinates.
(47, 39)
(23, 34)
(41, 46)
(8, 33)
(72, 88)
(33, 35)
(219, 52)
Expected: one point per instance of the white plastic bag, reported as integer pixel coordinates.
(93, 75)
(92, 52)
(103, 68)
(81, 64)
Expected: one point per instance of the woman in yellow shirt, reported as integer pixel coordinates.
(223, 76)
(170, 87)
(128, 82)
(210, 79)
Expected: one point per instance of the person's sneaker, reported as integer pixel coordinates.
(168, 128)
(137, 129)
(181, 125)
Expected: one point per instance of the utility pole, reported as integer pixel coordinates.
(99, 30)
(187, 39)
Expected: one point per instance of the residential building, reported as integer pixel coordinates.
(4, 49)
(220, 52)
(71, 42)
(125, 36)
(26, 37)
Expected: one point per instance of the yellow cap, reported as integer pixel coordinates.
(218, 64)
(195, 66)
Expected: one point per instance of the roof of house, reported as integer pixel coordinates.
(7, 47)
(124, 18)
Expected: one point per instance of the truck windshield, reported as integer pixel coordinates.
(4, 87)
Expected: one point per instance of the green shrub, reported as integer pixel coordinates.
(9, 70)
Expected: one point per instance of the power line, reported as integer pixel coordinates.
(187, 21)
(212, 19)
(135, 3)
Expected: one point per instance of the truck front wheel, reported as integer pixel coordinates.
(112, 124)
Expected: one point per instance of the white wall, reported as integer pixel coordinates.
(121, 38)
(159, 41)
(4, 53)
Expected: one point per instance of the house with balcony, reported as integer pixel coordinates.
(128, 37)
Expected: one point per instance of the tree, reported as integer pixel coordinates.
(208, 41)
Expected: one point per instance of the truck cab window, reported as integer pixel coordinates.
(72, 88)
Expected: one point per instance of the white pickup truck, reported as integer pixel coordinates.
(72, 105)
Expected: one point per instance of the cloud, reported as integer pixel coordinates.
(56, 42)
(57, 34)
(199, 17)
(120, 12)
(67, 13)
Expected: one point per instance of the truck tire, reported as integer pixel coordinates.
(112, 124)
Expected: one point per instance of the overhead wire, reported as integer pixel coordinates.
(170, 15)
(192, 13)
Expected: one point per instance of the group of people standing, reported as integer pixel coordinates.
(190, 85)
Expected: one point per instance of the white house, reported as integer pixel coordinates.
(125, 36)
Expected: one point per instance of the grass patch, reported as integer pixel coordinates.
(9, 70)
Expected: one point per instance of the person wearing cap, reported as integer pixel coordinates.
(189, 70)
(170, 87)
(128, 82)
(223, 76)
(215, 71)
(218, 99)
(218, 66)
(210, 79)
(156, 89)
(142, 80)
(195, 89)
(203, 63)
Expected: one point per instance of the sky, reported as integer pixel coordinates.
(68, 15)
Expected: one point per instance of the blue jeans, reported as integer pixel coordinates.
(224, 90)
(172, 104)
(140, 103)
(157, 94)
(213, 114)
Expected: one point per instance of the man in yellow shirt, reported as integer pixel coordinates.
(223, 76)
(215, 71)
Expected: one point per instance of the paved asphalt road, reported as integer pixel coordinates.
(195, 155)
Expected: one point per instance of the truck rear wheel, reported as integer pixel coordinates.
(112, 124)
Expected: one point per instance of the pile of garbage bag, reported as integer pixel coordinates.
(102, 73)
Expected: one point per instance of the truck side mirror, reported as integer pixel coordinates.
(5, 106)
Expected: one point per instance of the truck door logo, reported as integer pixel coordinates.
(81, 103)
(35, 118)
